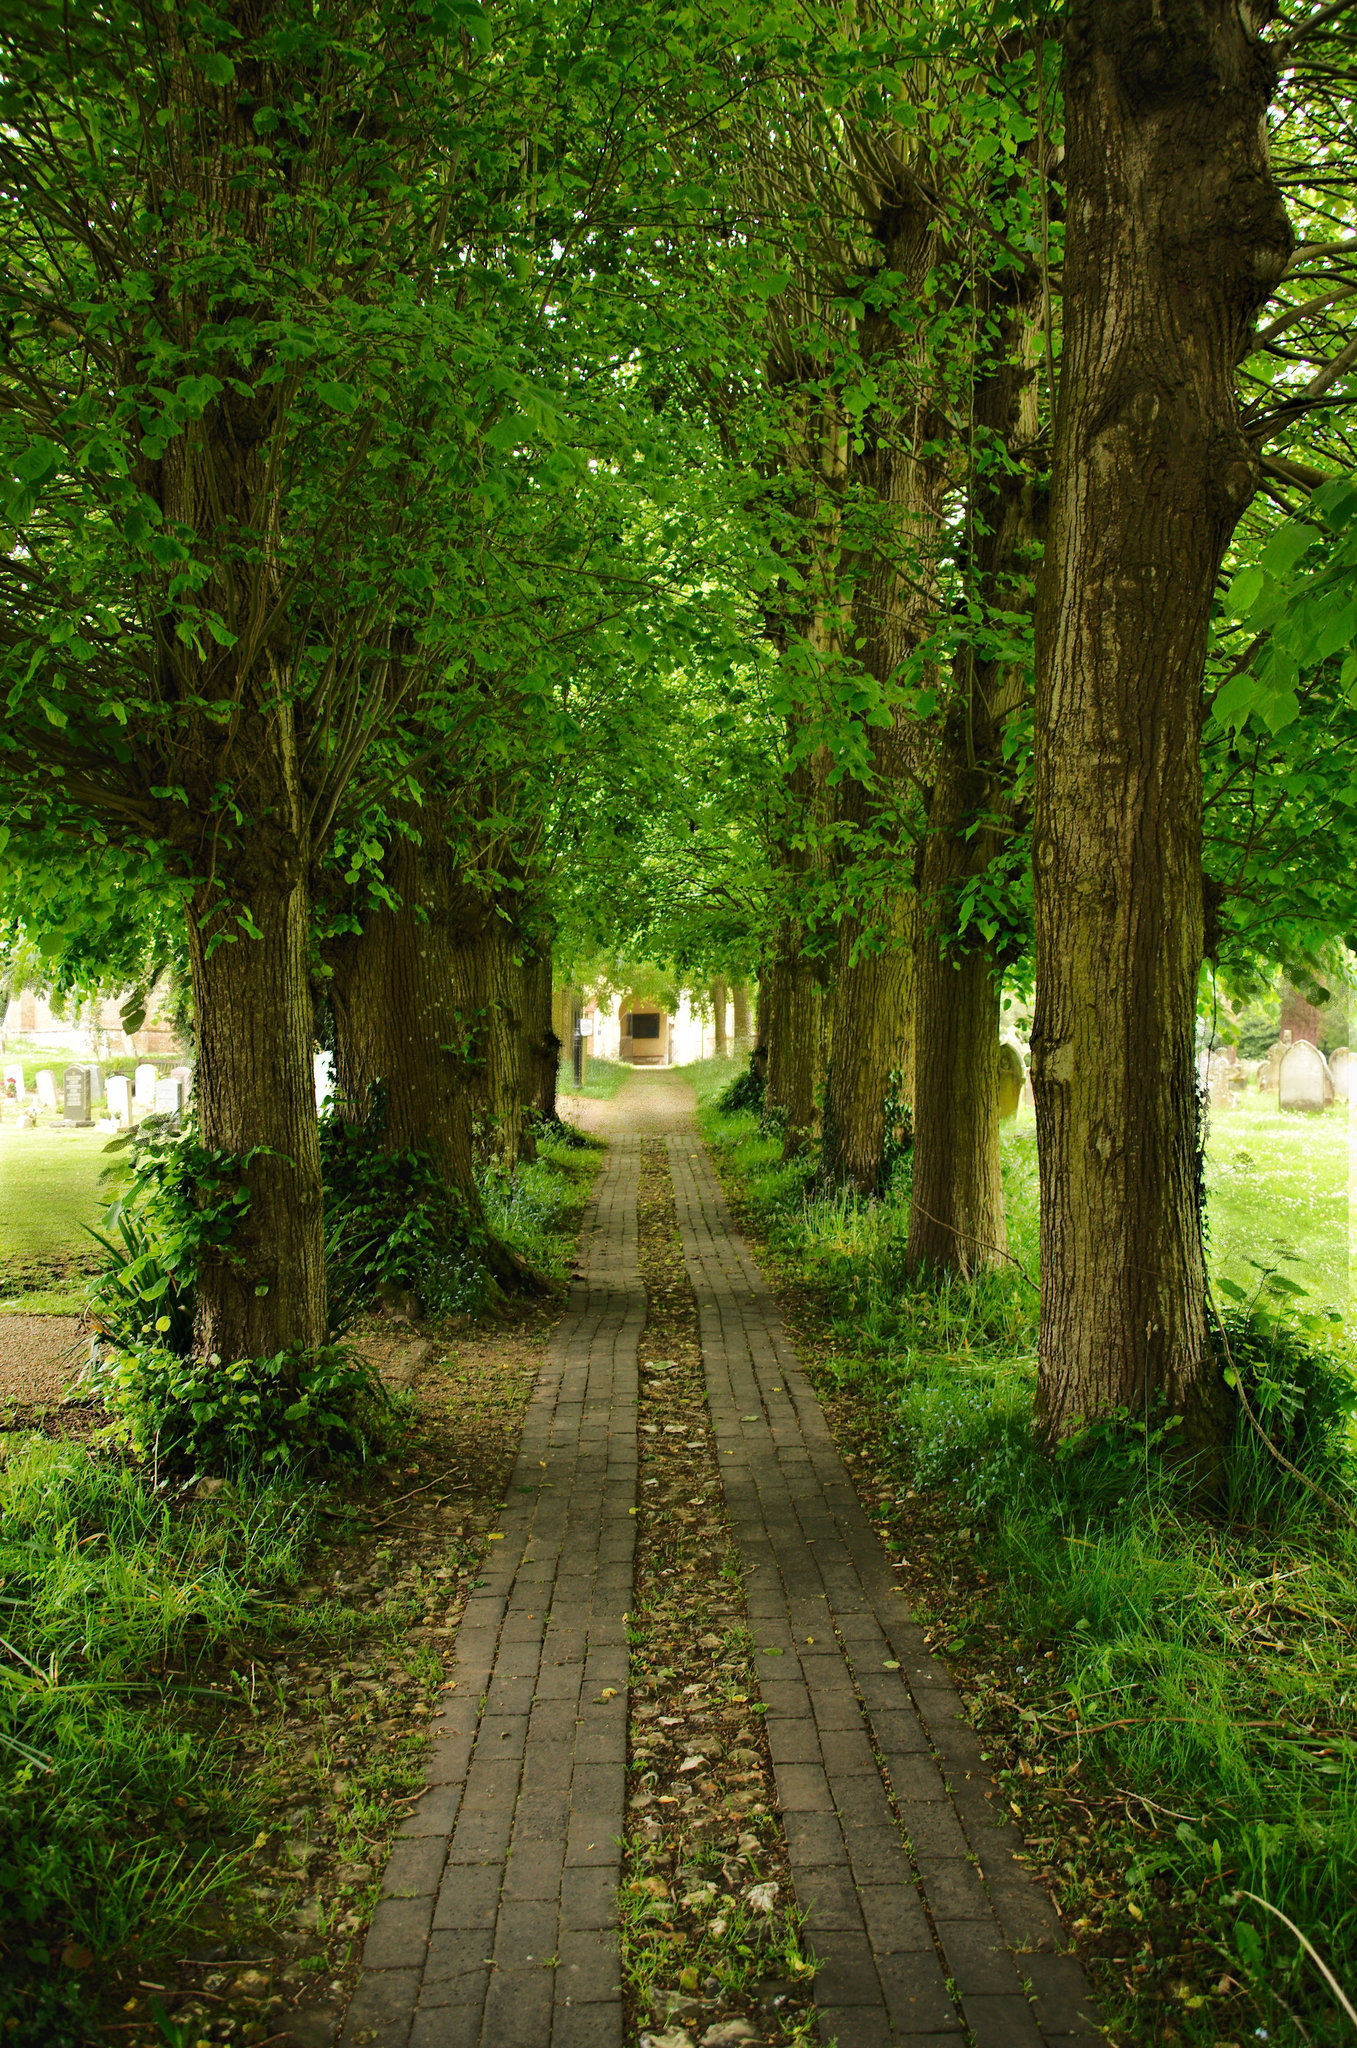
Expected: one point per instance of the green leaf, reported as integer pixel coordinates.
(1244, 592)
(1286, 547)
(216, 67)
(342, 397)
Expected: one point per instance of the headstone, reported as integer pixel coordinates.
(76, 1096)
(14, 1083)
(120, 1098)
(96, 1074)
(1272, 1063)
(184, 1074)
(322, 1073)
(143, 1086)
(169, 1096)
(1012, 1074)
(1220, 1078)
(1029, 1098)
(1303, 1081)
(1340, 1072)
(45, 1081)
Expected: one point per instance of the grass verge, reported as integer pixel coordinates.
(1172, 1699)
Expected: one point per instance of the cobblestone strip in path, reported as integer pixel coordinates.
(497, 1923)
(867, 1732)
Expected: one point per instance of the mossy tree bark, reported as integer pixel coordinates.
(1176, 235)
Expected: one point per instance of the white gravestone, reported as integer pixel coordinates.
(119, 1092)
(45, 1081)
(76, 1095)
(323, 1074)
(1012, 1075)
(96, 1075)
(169, 1096)
(1303, 1080)
(143, 1086)
(14, 1083)
(184, 1074)
(1340, 1072)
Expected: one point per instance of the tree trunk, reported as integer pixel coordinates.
(1176, 235)
(957, 1209)
(794, 1040)
(956, 1215)
(397, 1026)
(489, 987)
(255, 1095)
(873, 1040)
(739, 999)
(718, 1010)
(541, 1046)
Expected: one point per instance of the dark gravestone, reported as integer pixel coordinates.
(76, 1085)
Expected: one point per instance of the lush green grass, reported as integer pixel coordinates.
(1206, 1661)
(114, 1600)
(49, 1192)
(535, 1213)
(602, 1078)
(1278, 1191)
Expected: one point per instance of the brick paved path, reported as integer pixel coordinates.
(513, 1855)
(867, 1733)
(497, 1924)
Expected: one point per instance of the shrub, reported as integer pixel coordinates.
(298, 1412)
(744, 1093)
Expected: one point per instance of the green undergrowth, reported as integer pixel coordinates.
(117, 1804)
(1205, 1661)
(536, 1213)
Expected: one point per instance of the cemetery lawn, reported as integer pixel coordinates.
(1164, 1692)
(50, 1195)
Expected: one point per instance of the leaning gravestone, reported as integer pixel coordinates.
(143, 1086)
(169, 1096)
(120, 1098)
(1012, 1074)
(45, 1081)
(1304, 1082)
(76, 1095)
(1340, 1072)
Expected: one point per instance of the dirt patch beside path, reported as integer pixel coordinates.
(39, 1357)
